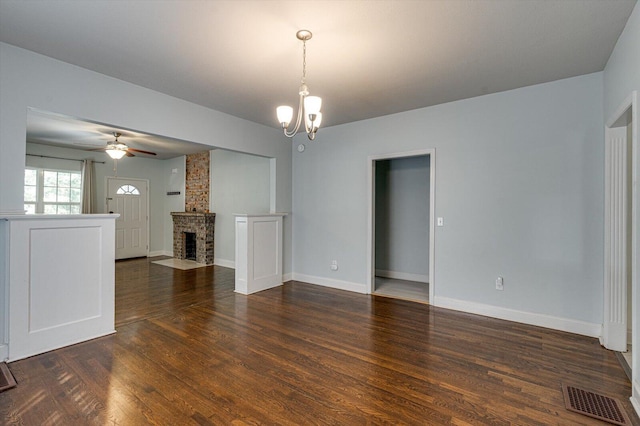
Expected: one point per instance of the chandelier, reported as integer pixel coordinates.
(309, 106)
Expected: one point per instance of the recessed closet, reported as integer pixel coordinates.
(402, 210)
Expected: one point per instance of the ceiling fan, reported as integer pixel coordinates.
(116, 149)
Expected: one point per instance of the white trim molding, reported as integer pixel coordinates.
(615, 297)
(287, 277)
(616, 247)
(160, 253)
(226, 263)
(326, 282)
(530, 318)
(371, 235)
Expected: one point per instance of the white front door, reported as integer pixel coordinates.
(129, 198)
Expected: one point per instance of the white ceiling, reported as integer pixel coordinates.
(366, 58)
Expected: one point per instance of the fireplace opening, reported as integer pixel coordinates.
(190, 248)
(201, 227)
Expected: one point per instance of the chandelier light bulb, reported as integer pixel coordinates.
(312, 105)
(285, 114)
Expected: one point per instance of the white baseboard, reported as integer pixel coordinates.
(327, 282)
(402, 276)
(530, 318)
(287, 277)
(540, 320)
(160, 253)
(4, 352)
(224, 262)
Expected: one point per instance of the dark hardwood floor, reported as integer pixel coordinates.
(188, 350)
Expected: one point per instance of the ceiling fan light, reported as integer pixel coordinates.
(312, 105)
(284, 113)
(116, 154)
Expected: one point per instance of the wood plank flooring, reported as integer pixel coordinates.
(188, 350)
(402, 289)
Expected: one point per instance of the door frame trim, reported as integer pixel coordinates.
(146, 182)
(371, 236)
(627, 113)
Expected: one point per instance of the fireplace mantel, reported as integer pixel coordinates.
(194, 214)
(200, 223)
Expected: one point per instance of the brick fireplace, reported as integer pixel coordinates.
(193, 229)
(200, 224)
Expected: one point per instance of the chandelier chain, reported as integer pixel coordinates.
(304, 61)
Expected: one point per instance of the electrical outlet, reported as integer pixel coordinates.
(500, 283)
(334, 265)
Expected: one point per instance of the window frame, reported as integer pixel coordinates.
(40, 203)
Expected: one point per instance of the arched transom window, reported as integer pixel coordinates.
(127, 190)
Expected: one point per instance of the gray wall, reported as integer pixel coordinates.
(240, 183)
(174, 172)
(622, 73)
(519, 183)
(402, 218)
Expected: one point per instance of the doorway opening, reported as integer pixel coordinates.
(401, 225)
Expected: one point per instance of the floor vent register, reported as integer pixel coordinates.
(595, 405)
(6, 378)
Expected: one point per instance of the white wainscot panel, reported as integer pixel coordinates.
(265, 249)
(258, 252)
(61, 276)
(75, 295)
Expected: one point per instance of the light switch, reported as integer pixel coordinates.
(440, 221)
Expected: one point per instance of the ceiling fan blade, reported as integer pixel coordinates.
(129, 154)
(142, 151)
